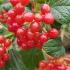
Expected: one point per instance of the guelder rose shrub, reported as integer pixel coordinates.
(31, 30)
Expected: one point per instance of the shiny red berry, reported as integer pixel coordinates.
(38, 17)
(53, 33)
(35, 27)
(30, 43)
(42, 64)
(48, 18)
(38, 45)
(21, 32)
(2, 39)
(28, 17)
(2, 51)
(11, 13)
(45, 8)
(2, 64)
(30, 35)
(13, 27)
(19, 9)
(14, 2)
(24, 46)
(43, 38)
(19, 19)
(6, 57)
(9, 20)
(24, 2)
(7, 43)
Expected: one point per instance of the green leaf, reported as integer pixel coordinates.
(54, 47)
(15, 62)
(53, 42)
(61, 10)
(6, 6)
(31, 58)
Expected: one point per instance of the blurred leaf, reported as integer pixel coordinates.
(31, 58)
(54, 47)
(61, 10)
(6, 6)
(15, 62)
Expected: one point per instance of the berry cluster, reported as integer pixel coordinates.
(33, 34)
(3, 17)
(52, 65)
(27, 26)
(4, 55)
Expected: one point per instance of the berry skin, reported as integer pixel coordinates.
(45, 8)
(19, 19)
(38, 45)
(6, 57)
(24, 2)
(42, 64)
(19, 9)
(21, 32)
(2, 63)
(30, 35)
(48, 18)
(24, 46)
(43, 38)
(28, 17)
(2, 39)
(9, 20)
(13, 27)
(53, 33)
(11, 13)
(2, 51)
(14, 2)
(38, 17)
(35, 27)
(7, 43)
(30, 44)
(50, 66)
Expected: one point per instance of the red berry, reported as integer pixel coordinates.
(38, 17)
(2, 51)
(19, 9)
(53, 33)
(48, 18)
(61, 67)
(40, 68)
(38, 45)
(2, 64)
(6, 57)
(35, 27)
(14, 2)
(20, 20)
(21, 32)
(50, 66)
(28, 17)
(43, 38)
(45, 8)
(2, 39)
(30, 35)
(4, 11)
(19, 42)
(11, 13)
(7, 43)
(13, 27)
(30, 44)
(24, 46)
(42, 64)
(9, 20)
(25, 2)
